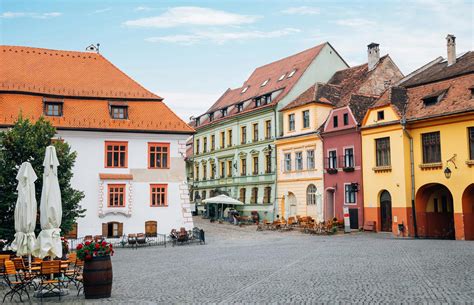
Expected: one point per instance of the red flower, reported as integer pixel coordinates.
(95, 253)
(86, 251)
(87, 243)
(88, 257)
(97, 246)
(79, 247)
(104, 243)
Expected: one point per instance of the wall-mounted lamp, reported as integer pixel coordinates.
(447, 170)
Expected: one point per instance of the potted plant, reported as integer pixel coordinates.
(97, 274)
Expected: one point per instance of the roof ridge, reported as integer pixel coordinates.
(49, 50)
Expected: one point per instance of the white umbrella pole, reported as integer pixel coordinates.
(29, 262)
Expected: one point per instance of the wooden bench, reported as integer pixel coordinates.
(370, 226)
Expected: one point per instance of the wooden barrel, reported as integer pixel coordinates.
(98, 277)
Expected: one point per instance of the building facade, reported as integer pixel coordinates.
(234, 145)
(418, 168)
(130, 163)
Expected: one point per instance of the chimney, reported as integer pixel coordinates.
(373, 55)
(451, 40)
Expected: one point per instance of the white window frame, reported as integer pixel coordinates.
(307, 159)
(286, 160)
(329, 154)
(353, 155)
(299, 161)
(345, 198)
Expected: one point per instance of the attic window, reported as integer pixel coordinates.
(434, 97)
(264, 83)
(119, 112)
(282, 77)
(472, 92)
(240, 107)
(53, 108)
(198, 121)
(291, 73)
(211, 116)
(380, 115)
(224, 112)
(244, 90)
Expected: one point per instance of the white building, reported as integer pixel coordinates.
(130, 146)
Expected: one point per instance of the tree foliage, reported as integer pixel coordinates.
(27, 141)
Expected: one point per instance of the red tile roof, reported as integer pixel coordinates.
(65, 73)
(272, 72)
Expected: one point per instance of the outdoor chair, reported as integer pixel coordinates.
(50, 280)
(17, 283)
(132, 240)
(19, 264)
(173, 236)
(182, 235)
(98, 238)
(88, 238)
(74, 274)
(141, 239)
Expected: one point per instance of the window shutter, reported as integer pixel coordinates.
(104, 229)
(120, 229)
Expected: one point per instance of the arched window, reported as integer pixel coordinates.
(254, 197)
(311, 194)
(242, 195)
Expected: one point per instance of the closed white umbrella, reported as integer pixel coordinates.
(25, 211)
(49, 240)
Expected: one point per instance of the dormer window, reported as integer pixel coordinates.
(240, 107)
(380, 115)
(282, 77)
(472, 92)
(264, 83)
(53, 108)
(291, 73)
(211, 117)
(224, 112)
(244, 90)
(197, 121)
(435, 97)
(119, 112)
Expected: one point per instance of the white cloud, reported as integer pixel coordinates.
(190, 15)
(302, 10)
(142, 8)
(30, 15)
(222, 37)
(355, 22)
(102, 10)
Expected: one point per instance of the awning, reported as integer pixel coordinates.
(223, 199)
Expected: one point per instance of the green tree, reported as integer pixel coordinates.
(27, 141)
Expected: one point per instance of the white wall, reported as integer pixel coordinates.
(90, 148)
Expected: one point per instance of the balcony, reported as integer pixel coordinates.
(330, 165)
(347, 162)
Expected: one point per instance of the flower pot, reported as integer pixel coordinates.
(98, 277)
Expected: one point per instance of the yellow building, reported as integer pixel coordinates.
(300, 157)
(418, 152)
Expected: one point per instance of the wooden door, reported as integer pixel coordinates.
(386, 211)
(354, 218)
(151, 228)
(105, 230)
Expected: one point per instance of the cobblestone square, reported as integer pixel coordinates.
(240, 265)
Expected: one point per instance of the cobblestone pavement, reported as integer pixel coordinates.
(240, 265)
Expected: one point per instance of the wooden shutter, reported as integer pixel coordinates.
(104, 229)
(120, 229)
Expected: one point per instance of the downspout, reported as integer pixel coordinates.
(412, 173)
(275, 201)
(359, 132)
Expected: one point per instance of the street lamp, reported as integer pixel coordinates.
(447, 173)
(447, 170)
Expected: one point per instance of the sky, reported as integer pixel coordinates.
(190, 52)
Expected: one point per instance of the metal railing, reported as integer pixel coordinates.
(122, 241)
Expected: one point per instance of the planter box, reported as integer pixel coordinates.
(332, 171)
(98, 277)
(348, 169)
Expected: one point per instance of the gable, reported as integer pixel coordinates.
(372, 117)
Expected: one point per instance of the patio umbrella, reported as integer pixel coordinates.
(49, 239)
(25, 211)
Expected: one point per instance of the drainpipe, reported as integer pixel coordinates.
(412, 173)
(275, 201)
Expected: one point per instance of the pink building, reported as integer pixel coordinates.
(353, 91)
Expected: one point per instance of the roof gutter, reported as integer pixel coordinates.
(403, 122)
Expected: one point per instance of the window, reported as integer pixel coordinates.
(435, 97)
(268, 163)
(244, 90)
(222, 139)
(264, 83)
(310, 159)
(211, 117)
(197, 146)
(291, 73)
(335, 122)
(229, 168)
(345, 119)
(349, 194)
(382, 148)
(255, 132)
(213, 171)
(204, 171)
(431, 147)
(255, 165)
(242, 195)
(282, 77)
(204, 144)
(196, 172)
(197, 121)
(254, 197)
(159, 195)
(53, 108)
(158, 155)
(311, 194)
(287, 162)
(119, 112)
(240, 107)
(243, 134)
(116, 195)
(268, 129)
(267, 194)
(203, 196)
(229, 137)
(213, 142)
(299, 161)
(349, 157)
(306, 119)
(224, 112)
(380, 115)
(222, 165)
(243, 167)
(291, 122)
(470, 131)
(332, 159)
(116, 154)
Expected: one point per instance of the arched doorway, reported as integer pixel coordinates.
(329, 210)
(468, 212)
(290, 202)
(434, 211)
(151, 228)
(385, 211)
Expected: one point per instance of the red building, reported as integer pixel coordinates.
(352, 91)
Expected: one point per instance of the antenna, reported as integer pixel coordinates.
(93, 48)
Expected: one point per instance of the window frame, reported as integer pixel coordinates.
(162, 145)
(158, 185)
(229, 168)
(268, 163)
(287, 160)
(351, 157)
(268, 129)
(299, 161)
(470, 139)
(313, 165)
(125, 112)
(222, 139)
(115, 143)
(243, 135)
(255, 165)
(350, 192)
(242, 194)
(229, 137)
(59, 104)
(243, 166)
(345, 119)
(332, 159)
(380, 115)
(123, 186)
(255, 133)
(431, 152)
(311, 197)
(386, 155)
(254, 195)
(306, 119)
(267, 195)
(335, 121)
(291, 122)
(213, 142)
